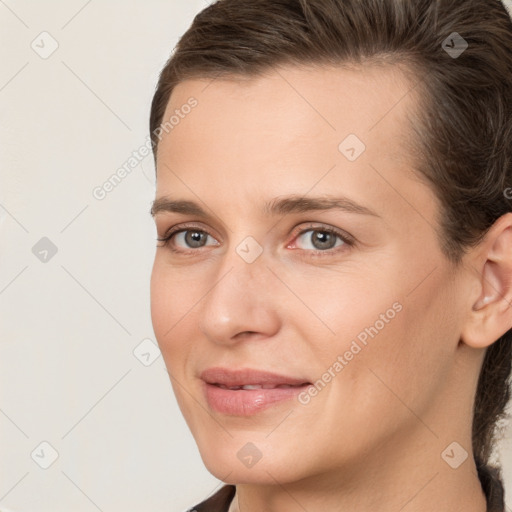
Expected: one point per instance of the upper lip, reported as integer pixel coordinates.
(247, 376)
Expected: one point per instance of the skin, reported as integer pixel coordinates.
(372, 439)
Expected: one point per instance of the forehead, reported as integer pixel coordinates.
(318, 106)
(282, 133)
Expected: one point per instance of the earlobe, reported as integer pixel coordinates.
(491, 313)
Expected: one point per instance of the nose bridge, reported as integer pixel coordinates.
(239, 299)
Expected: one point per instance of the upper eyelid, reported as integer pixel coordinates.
(186, 227)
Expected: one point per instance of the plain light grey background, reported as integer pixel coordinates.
(88, 420)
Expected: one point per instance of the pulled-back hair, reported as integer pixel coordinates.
(463, 133)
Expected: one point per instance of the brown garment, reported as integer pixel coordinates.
(219, 502)
(489, 478)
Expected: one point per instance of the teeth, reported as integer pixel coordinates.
(258, 386)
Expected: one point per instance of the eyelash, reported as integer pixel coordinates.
(347, 240)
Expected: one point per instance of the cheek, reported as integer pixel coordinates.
(160, 303)
(405, 365)
(383, 343)
(172, 302)
(338, 311)
(171, 313)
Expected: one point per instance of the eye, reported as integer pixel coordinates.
(185, 239)
(317, 240)
(321, 239)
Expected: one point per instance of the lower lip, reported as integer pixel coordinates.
(247, 402)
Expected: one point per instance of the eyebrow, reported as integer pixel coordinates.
(278, 206)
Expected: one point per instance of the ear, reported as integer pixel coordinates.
(491, 263)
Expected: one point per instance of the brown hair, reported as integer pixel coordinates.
(463, 132)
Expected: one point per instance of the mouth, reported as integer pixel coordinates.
(248, 387)
(246, 392)
(247, 378)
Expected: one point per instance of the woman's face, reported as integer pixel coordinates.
(352, 295)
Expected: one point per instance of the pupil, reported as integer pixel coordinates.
(193, 238)
(323, 240)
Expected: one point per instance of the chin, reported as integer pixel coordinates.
(241, 462)
(259, 475)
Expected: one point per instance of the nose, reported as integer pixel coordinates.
(242, 301)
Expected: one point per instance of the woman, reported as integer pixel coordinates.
(331, 292)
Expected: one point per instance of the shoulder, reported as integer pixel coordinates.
(218, 502)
